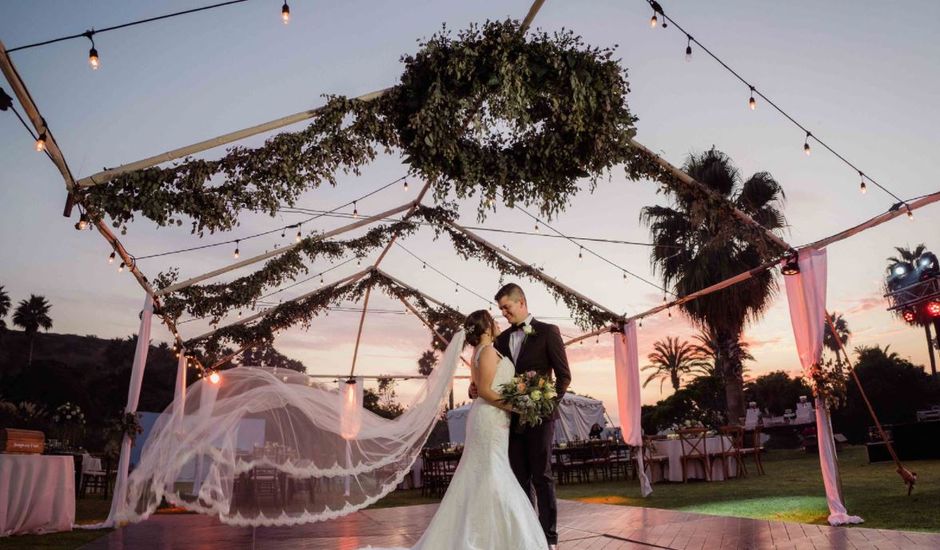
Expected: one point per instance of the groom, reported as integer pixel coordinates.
(533, 346)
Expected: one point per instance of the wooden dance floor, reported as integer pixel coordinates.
(581, 526)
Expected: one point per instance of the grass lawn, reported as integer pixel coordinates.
(87, 510)
(792, 490)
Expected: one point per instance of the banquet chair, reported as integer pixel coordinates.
(650, 457)
(755, 450)
(732, 442)
(692, 441)
(97, 480)
(621, 463)
(600, 462)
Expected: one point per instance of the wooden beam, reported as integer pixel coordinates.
(278, 251)
(539, 274)
(689, 180)
(108, 175)
(428, 324)
(32, 111)
(362, 321)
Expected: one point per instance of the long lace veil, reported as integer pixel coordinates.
(274, 448)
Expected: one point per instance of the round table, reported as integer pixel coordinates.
(37, 494)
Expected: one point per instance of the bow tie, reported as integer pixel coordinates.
(515, 327)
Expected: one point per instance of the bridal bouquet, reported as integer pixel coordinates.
(531, 396)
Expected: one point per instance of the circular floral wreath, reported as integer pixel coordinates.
(517, 117)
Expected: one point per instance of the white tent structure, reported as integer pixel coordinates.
(578, 414)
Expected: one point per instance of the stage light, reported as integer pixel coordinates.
(933, 308)
(909, 315)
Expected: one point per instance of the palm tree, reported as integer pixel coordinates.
(709, 349)
(710, 250)
(4, 308)
(670, 360)
(842, 330)
(32, 315)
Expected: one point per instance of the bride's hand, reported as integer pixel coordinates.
(473, 391)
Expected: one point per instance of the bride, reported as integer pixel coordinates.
(485, 507)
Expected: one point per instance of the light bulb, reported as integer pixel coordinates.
(861, 186)
(93, 59)
(406, 185)
(236, 250)
(752, 103)
(299, 237)
(806, 147)
(355, 210)
(285, 13)
(653, 21)
(111, 257)
(688, 49)
(910, 213)
(580, 255)
(215, 378)
(536, 228)
(41, 143)
(121, 267)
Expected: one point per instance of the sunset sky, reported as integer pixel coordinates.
(861, 75)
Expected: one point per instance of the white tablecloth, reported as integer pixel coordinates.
(695, 470)
(37, 494)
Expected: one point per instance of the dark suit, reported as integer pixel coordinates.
(530, 448)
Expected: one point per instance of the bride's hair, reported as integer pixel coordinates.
(477, 324)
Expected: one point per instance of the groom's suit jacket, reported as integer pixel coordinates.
(542, 352)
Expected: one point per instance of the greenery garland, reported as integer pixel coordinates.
(217, 299)
(261, 179)
(304, 311)
(492, 110)
(586, 315)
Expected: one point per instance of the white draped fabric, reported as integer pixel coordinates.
(119, 500)
(179, 394)
(37, 494)
(297, 473)
(627, 369)
(806, 293)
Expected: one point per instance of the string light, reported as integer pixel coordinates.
(669, 312)
(214, 377)
(653, 21)
(861, 186)
(688, 49)
(321, 280)
(82, 222)
(121, 267)
(236, 250)
(806, 147)
(456, 289)
(580, 253)
(41, 143)
(424, 266)
(299, 236)
(624, 275)
(93, 61)
(355, 210)
(285, 13)
(111, 257)
(910, 213)
(536, 227)
(283, 232)
(752, 103)
(406, 185)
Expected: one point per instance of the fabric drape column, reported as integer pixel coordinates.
(179, 395)
(629, 404)
(119, 499)
(351, 395)
(806, 293)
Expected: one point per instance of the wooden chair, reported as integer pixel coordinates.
(732, 442)
(755, 450)
(265, 483)
(692, 441)
(650, 458)
(97, 481)
(621, 463)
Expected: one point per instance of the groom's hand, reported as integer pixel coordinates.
(473, 391)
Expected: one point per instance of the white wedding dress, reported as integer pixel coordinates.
(484, 507)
